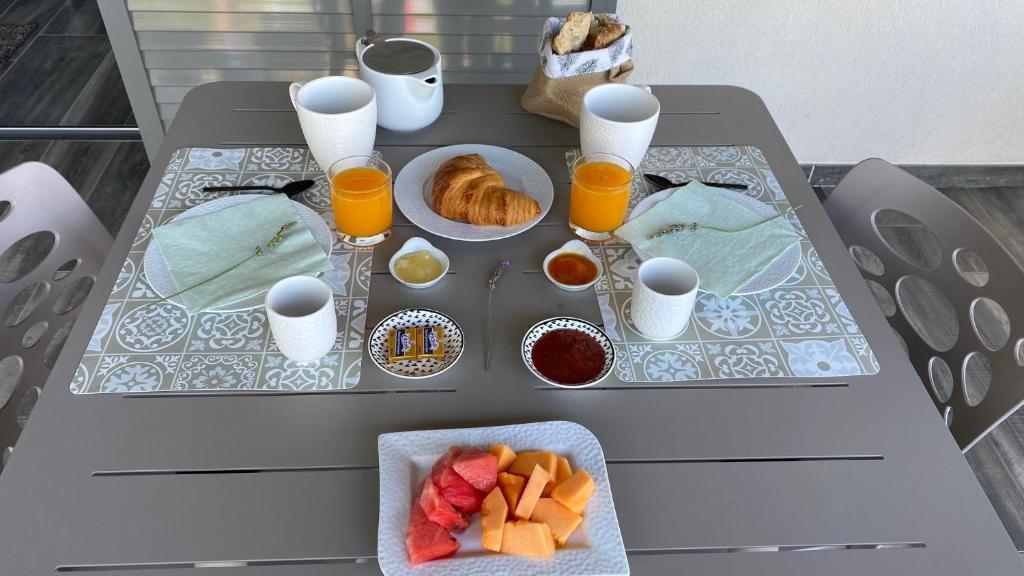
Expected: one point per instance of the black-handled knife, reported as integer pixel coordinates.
(661, 183)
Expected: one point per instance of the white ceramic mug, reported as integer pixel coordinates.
(338, 115)
(664, 292)
(618, 119)
(302, 317)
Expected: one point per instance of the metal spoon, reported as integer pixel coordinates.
(662, 183)
(290, 189)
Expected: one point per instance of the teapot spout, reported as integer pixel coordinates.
(423, 84)
(429, 77)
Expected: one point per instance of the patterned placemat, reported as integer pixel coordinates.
(159, 348)
(802, 328)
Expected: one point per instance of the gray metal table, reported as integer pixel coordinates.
(158, 485)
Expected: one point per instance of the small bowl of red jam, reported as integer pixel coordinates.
(573, 266)
(568, 352)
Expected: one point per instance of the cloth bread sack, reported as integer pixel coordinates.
(559, 83)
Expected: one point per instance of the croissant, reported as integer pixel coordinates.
(467, 188)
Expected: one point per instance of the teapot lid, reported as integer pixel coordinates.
(398, 56)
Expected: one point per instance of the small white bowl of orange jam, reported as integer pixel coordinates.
(418, 263)
(572, 266)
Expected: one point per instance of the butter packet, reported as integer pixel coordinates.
(431, 343)
(402, 344)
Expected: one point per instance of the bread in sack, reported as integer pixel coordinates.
(603, 33)
(573, 33)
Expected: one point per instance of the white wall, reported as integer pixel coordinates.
(911, 81)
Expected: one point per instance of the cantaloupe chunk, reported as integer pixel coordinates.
(531, 493)
(512, 487)
(493, 514)
(527, 459)
(559, 518)
(562, 470)
(524, 538)
(505, 455)
(575, 492)
(562, 473)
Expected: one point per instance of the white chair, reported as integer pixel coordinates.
(51, 248)
(948, 288)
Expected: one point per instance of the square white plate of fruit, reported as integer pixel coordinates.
(520, 499)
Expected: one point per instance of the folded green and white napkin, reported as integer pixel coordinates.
(725, 261)
(199, 248)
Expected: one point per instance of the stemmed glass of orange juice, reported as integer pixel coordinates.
(361, 199)
(601, 185)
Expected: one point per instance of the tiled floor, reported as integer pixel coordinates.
(65, 73)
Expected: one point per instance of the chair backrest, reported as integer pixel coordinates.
(51, 247)
(948, 288)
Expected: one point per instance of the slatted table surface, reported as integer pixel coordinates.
(723, 477)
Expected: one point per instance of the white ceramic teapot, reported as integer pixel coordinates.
(406, 76)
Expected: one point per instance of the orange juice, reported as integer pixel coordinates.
(599, 197)
(361, 198)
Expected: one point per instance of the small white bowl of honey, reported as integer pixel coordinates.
(572, 266)
(418, 263)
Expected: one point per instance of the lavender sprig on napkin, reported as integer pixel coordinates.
(730, 246)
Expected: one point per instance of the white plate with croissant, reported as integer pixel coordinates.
(473, 192)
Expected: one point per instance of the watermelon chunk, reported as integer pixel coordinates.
(425, 540)
(445, 461)
(453, 488)
(439, 511)
(458, 492)
(479, 468)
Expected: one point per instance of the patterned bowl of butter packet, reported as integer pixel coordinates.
(416, 343)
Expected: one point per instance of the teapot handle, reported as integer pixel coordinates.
(293, 92)
(363, 43)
